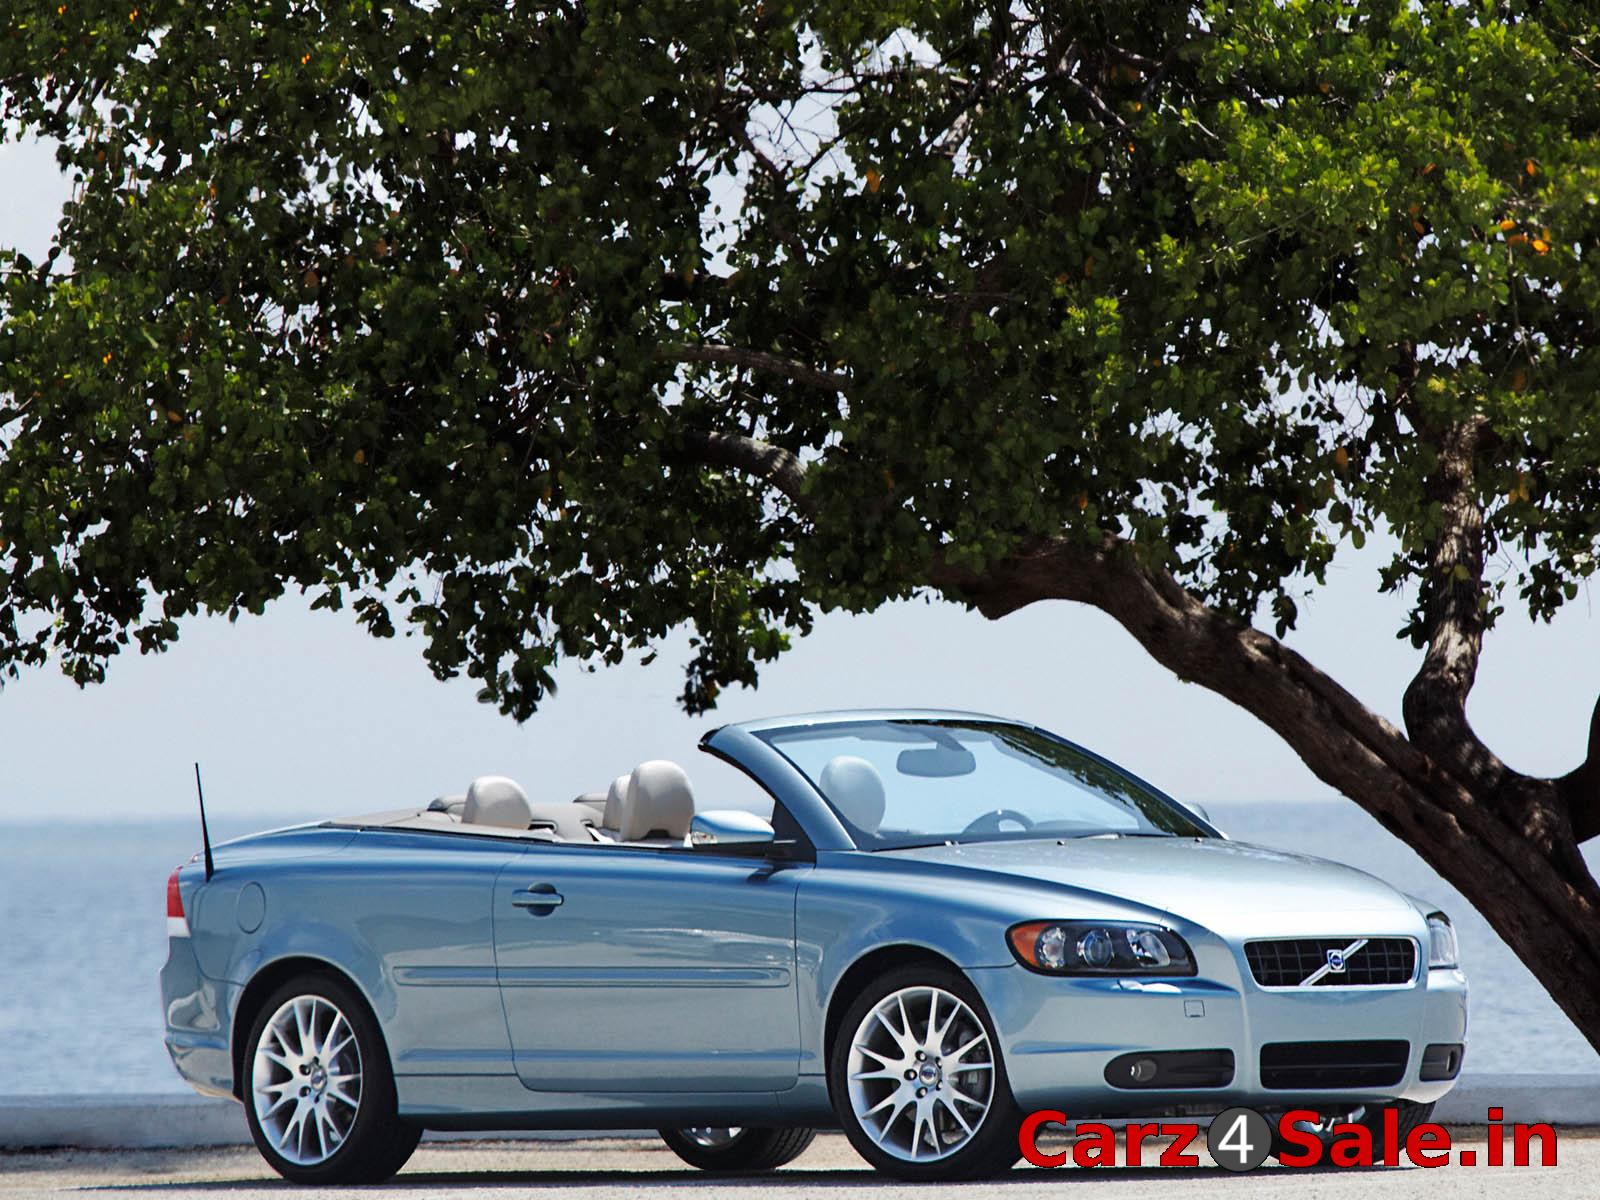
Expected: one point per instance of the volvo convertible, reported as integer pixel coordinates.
(919, 927)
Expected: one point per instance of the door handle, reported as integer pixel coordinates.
(541, 897)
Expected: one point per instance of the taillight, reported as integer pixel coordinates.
(177, 923)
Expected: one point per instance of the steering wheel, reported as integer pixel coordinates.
(989, 822)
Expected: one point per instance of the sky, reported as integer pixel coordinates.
(297, 713)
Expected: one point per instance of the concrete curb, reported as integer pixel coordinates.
(1568, 1100)
(121, 1122)
(142, 1122)
(149, 1122)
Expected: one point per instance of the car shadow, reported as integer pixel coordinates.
(802, 1181)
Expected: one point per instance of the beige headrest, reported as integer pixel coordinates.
(856, 790)
(496, 800)
(660, 802)
(616, 798)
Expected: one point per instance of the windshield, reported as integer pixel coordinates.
(905, 783)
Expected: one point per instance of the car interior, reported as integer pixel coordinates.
(652, 805)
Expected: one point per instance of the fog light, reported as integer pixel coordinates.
(1441, 1061)
(1173, 1070)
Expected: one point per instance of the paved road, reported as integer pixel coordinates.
(619, 1170)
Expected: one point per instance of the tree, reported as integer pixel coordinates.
(551, 328)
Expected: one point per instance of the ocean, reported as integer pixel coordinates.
(83, 936)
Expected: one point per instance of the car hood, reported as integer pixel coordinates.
(1224, 885)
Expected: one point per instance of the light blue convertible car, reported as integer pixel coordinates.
(937, 922)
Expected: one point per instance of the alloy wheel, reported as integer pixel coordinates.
(305, 1081)
(921, 1074)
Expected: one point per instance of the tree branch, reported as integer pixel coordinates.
(1581, 789)
(773, 465)
(1435, 703)
(740, 127)
(1196, 642)
(1553, 815)
(758, 360)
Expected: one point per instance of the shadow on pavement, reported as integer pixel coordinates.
(780, 1182)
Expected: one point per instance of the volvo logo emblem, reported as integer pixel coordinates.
(1336, 961)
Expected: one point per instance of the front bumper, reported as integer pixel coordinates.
(1058, 1034)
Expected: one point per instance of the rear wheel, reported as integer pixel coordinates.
(1410, 1115)
(737, 1149)
(917, 1080)
(318, 1090)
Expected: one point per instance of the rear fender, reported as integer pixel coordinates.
(326, 943)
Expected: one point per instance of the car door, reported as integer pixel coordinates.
(647, 970)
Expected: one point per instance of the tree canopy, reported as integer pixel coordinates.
(545, 329)
(356, 289)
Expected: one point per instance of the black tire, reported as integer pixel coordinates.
(378, 1142)
(748, 1150)
(1411, 1114)
(992, 1147)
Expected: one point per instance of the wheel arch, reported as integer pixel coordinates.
(267, 980)
(865, 968)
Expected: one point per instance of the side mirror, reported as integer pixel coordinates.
(728, 827)
(1199, 810)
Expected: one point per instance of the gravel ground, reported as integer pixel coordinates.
(613, 1170)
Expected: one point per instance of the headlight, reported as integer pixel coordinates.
(1093, 948)
(1442, 949)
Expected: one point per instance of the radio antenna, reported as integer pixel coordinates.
(205, 834)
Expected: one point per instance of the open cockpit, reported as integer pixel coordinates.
(652, 805)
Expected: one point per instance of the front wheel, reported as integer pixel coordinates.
(736, 1149)
(917, 1080)
(318, 1090)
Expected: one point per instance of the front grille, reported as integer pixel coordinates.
(1289, 962)
(1323, 1065)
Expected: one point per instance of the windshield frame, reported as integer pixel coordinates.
(773, 738)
